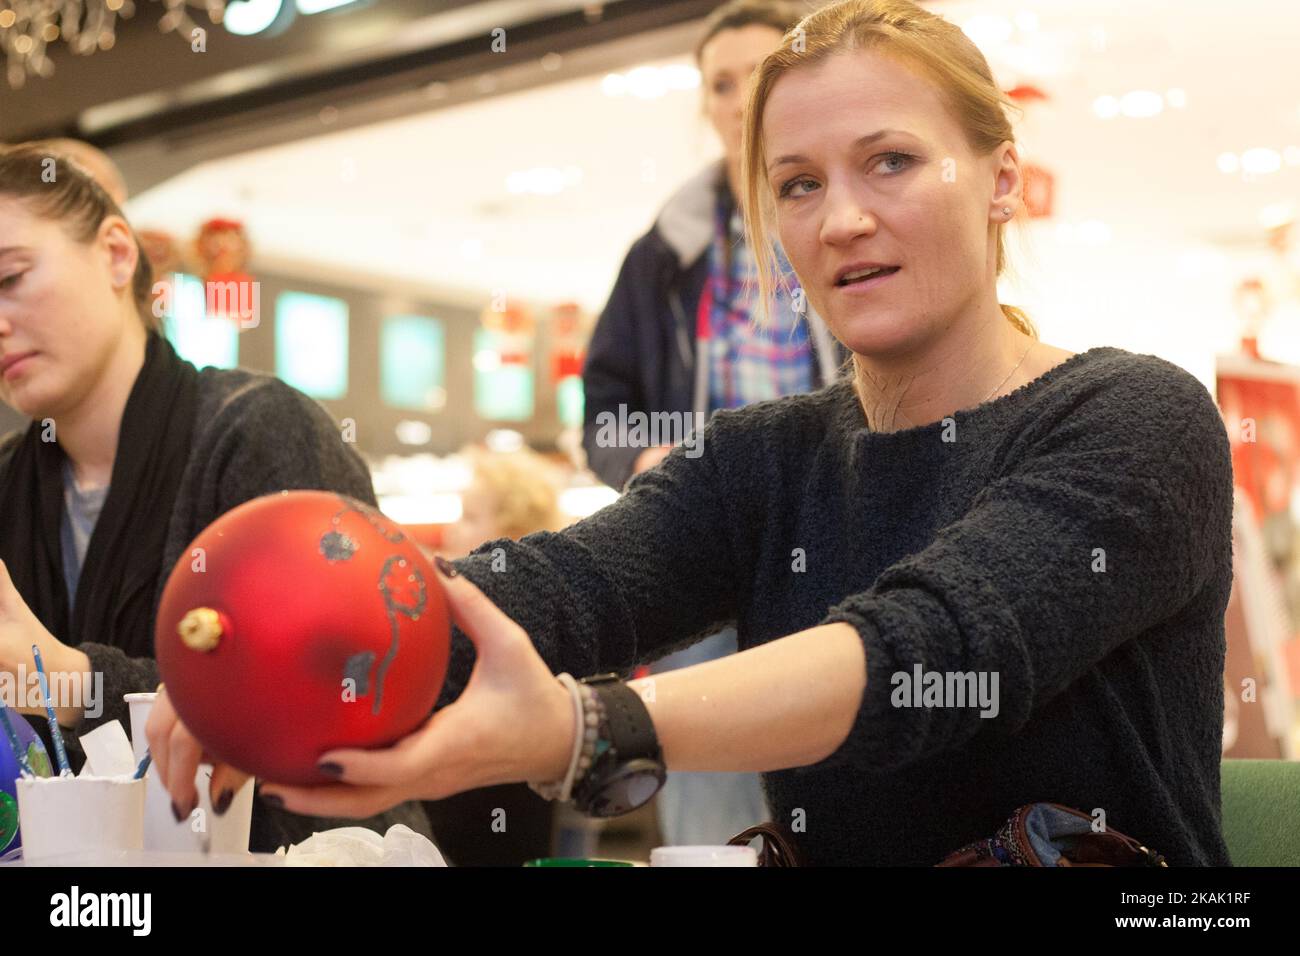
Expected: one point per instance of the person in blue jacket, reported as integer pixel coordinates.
(679, 336)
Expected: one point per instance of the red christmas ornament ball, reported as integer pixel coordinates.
(298, 623)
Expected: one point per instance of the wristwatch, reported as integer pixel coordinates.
(627, 768)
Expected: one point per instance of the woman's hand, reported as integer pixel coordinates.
(176, 758)
(19, 630)
(512, 723)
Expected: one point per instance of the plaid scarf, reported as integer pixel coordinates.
(748, 363)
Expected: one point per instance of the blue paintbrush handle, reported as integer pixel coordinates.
(55, 732)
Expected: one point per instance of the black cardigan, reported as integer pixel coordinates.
(1074, 537)
(253, 435)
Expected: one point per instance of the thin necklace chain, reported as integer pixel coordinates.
(1023, 355)
(1009, 374)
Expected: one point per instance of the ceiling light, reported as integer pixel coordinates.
(646, 83)
(1106, 107)
(1140, 104)
(543, 180)
(503, 441)
(614, 84)
(1277, 214)
(412, 432)
(1261, 160)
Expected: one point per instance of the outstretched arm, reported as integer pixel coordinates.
(788, 703)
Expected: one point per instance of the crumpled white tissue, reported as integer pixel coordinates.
(357, 846)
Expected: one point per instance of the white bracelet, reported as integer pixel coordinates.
(563, 789)
(576, 692)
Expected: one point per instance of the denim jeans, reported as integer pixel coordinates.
(705, 808)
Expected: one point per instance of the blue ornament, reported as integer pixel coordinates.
(34, 750)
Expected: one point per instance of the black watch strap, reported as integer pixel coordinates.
(631, 731)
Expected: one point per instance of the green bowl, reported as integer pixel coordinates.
(575, 861)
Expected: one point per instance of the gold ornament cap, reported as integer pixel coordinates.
(201, 629)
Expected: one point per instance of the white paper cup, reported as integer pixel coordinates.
(140, 705)
(704, 856)
(60, 815)
(202, 829)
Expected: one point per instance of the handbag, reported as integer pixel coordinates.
(1050, 834)
(1037, 834)
(779, 847)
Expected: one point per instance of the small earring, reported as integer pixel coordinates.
(1006, 210)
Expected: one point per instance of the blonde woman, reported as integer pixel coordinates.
(510, 494)
(972, 501)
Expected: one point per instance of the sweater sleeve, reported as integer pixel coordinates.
(650, 573)
(1108, 524)
(274, 438)
(266, 437)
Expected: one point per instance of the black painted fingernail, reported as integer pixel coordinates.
(176, 812)
(330, 769)
(223, 802)
(275, 801)
(445, 566)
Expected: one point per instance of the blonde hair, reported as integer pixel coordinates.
(522, 487)
(935, 45)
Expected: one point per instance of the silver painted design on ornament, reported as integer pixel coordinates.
(357, 669)
(337, 546)
(394, 607)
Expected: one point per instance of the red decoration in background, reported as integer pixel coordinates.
(165, 258)
(1039, 190)
(1039, 184)
(512, 327)
(1260, 403)
(305, 597)
(568, 343)
(1027, 93)
(223, 251)
(511, 319)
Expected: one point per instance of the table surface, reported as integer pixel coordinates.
(152, 858)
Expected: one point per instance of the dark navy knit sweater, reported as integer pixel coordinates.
(1073, 536)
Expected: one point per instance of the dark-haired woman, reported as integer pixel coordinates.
(130, 453)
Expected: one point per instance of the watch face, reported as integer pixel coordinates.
(632, 786)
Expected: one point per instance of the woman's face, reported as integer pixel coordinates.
(726, 64)
(868, 167)
(61, 308)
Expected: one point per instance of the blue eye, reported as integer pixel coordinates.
(785, 188)
(905, 158)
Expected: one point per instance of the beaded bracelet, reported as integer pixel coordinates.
(587, 713)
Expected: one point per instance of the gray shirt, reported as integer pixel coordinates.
(80, 512)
